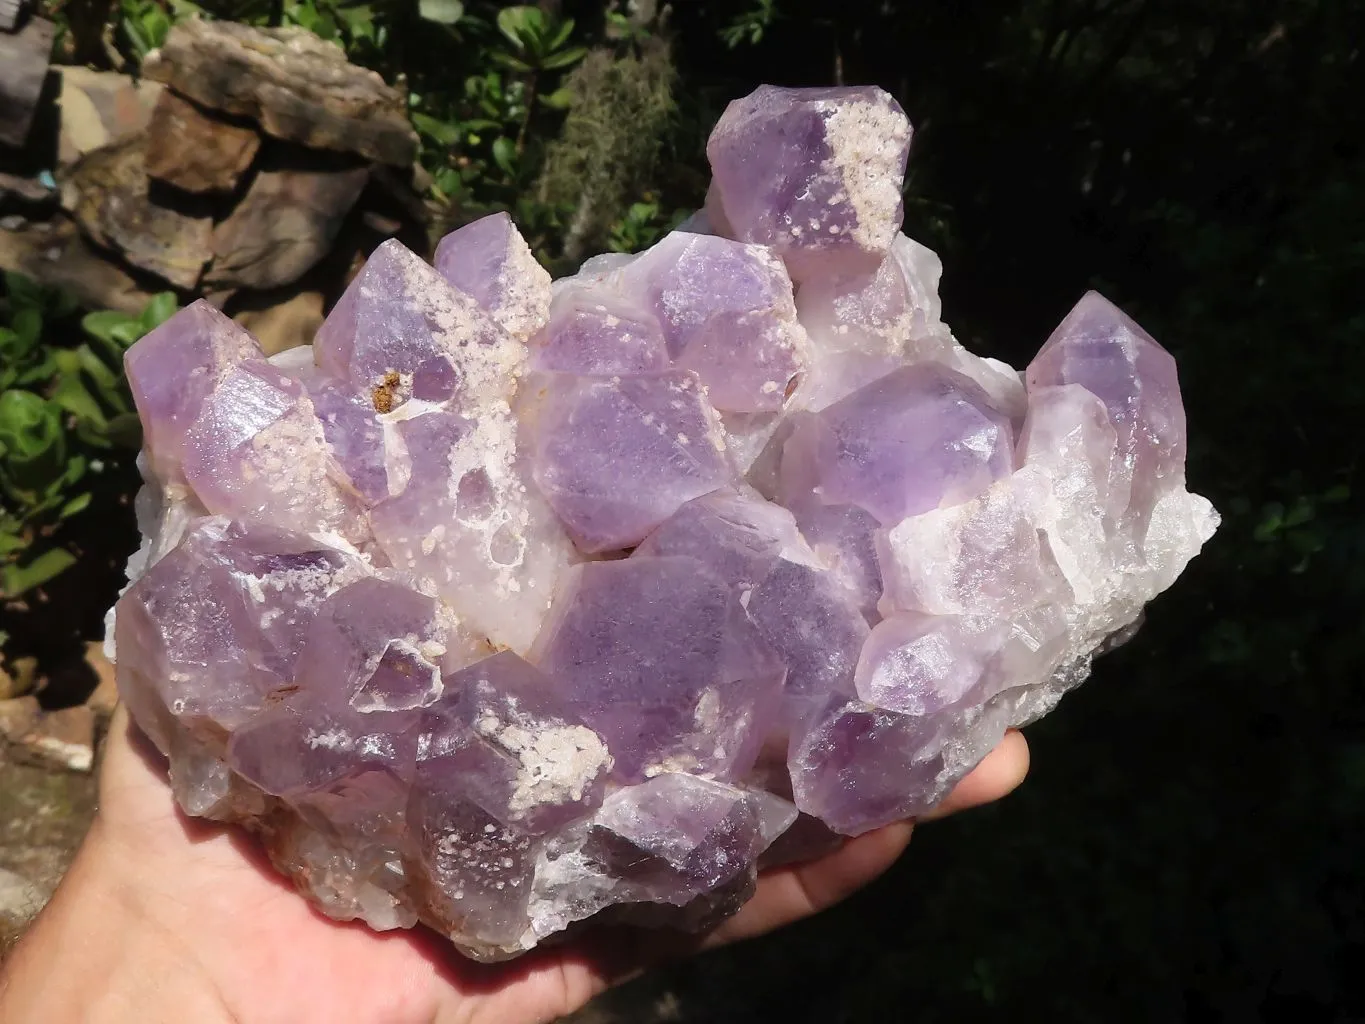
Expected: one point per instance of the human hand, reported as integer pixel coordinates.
(169, 918)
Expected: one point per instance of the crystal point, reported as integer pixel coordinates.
(814, 173)
(173, 368)
(489, 261)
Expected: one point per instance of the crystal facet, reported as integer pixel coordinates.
(509, 604)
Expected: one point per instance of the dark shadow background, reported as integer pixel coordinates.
(1191, 842)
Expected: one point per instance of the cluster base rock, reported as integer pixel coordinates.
(510, 603)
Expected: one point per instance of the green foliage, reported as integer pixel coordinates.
(64, 411)
(443, 12)
(643, 225)
(539, 41)
(143, 24)
(750, 25)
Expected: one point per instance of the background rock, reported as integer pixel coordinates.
(20, 899)
(9, 14)
(17, 677)
(43, 815)
(57, 254)
(286, 223)
(299, 87)
(27, 191)
(105, 694)
(17, 717)
(180, 186)
(107, 192)
(194, 150)
(100, 107)
(23, 68)
(287, 323)
(64, 738)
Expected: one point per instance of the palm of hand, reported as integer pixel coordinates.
(268, 956)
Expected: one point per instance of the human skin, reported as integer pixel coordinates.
(163, 917)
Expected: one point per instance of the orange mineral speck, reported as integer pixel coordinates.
(382, 395)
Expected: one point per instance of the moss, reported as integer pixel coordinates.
(605, 156)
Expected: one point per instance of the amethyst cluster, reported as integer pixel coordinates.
(507, 603)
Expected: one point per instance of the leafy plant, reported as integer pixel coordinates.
(539, 41)
(144, 24)
(64, 405)
(750, 25)
(643, 225)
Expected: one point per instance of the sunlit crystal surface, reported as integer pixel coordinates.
(508, 604)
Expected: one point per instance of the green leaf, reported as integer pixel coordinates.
(521, 25)
(101, 324)
(63, 304)
(1272, 518)
(561, 35)
(39, 372)
(447, 181)
(27, 325)
(505, 155)
(443, 133)
(23, 291)
(564, 58)
(155, 24)
(560, 99)
(75, 469)
(443, 12)
(510, 62)
(1305, 542)
(110, 384)
(71, 394)
(1299, 513)
(30, 428)
(124, 430)
(135, 38)
(358, 21)
(160, 309)
(125, 334)
(76, 504)
(1341, 492)
(92, 434)
(16, 579)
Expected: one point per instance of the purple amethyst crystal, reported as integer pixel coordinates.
(506, 605)
(616, 456)
(597, 333)
(175, 369)
(490, 262)
(727, 314)
(814, 173)
(659, 656)
(920, 437)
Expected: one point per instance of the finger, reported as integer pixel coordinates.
(796, 891)
(799, 890)
(1002, 770)
(132, 770)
